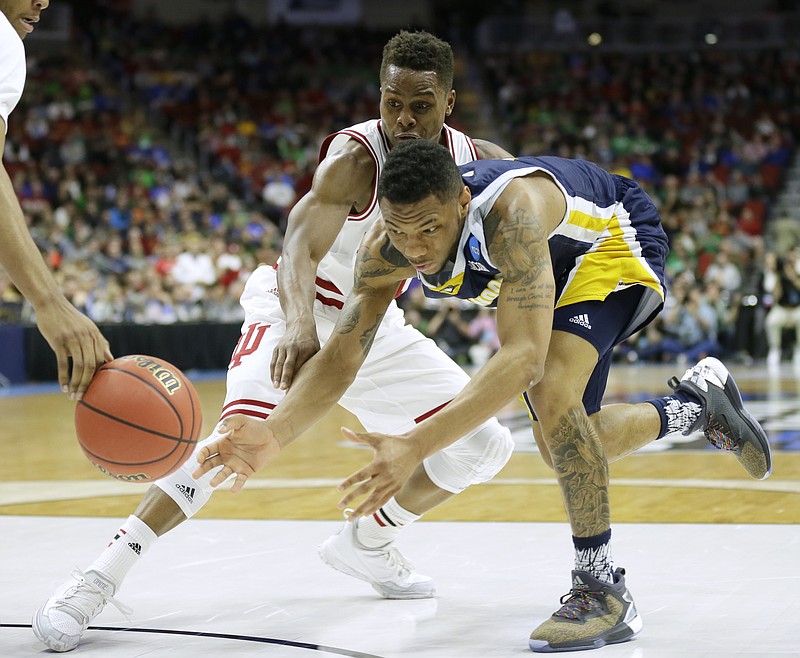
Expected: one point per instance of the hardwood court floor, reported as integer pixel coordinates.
(675, 480)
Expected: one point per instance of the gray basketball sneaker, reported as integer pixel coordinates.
(61, 621)
(725, 422)
(389, 573)
(593, 615)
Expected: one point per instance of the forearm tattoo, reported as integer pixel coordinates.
(392, 255)
(367, 267)
(518, 245)
(582, 471)
(349, 321)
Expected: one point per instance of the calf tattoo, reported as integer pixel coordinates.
(582, 472)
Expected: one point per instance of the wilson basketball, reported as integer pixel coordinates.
(139, 419)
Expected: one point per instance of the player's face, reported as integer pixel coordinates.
(426, 232)
(413, 104)
(22, 14)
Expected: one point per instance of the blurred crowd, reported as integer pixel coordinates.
(156, 176)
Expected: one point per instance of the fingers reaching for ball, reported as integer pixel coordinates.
(242, 447)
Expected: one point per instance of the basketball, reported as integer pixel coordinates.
(139, 419)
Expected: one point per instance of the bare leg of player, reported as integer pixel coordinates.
(420, 495)
(622, 428)
(159, 511)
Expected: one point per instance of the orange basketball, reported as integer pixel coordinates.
(139, 419)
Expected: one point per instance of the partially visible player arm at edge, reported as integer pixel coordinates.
(517, 240)
(68, 332)
(490, 150)
(342, 180)
(322, 381)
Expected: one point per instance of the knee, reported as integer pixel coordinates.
(474, 459)
(544, 451)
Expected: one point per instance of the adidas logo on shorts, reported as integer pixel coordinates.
(582, 319)
(188, 492)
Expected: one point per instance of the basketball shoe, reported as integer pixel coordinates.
(61, 621)
(724, 420)
(389, 573)
(593, 614)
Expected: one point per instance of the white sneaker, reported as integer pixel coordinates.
(61, 621)
(389, 573)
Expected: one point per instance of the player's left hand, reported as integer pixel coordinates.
(393, 462)
(244, 446)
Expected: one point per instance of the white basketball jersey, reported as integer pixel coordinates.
(335, 272)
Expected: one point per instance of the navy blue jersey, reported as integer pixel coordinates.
(610, 237)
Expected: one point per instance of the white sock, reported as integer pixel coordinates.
(593, 555)
(383, 527)
(129, 544)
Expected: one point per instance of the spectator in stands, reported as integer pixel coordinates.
(782, 281)
(193, 266)
(689, 327)
(482, 330)
(723, 270)
(450, 330)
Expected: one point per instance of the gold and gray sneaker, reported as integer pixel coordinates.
(593, 614)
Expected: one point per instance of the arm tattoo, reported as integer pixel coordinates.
(392, 255)
(348, 323)
(369, 266)
(518, 244)
(582, 472)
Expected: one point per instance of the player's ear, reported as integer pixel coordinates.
(451, 102)
(463, 201)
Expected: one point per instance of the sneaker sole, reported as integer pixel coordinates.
(337, 563)
(623, 632)
(754, 453)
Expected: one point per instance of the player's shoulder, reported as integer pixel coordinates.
(350, 161)
(12, 52)
(489, 150)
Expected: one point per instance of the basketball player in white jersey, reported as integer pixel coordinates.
(291, 310)
(71, 334)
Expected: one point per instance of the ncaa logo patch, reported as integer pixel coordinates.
(474, 247)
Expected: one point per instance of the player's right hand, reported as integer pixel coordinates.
(293, 349)
(245, 446)
(72, 336)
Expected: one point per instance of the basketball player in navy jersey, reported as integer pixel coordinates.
(572, 258)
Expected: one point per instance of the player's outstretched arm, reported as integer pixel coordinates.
(72, 335)
(342, 180)
(250, 445)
